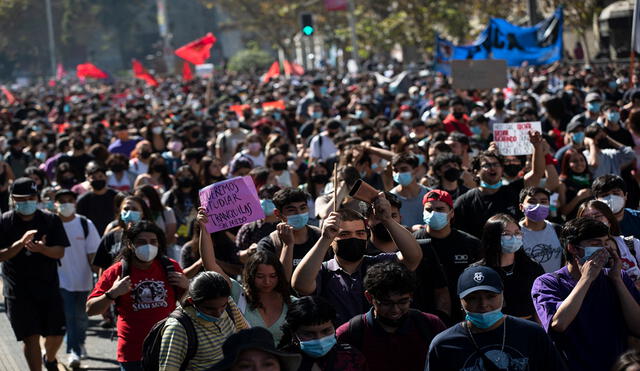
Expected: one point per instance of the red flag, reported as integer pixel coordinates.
(274, 70)
(334, 5)
(292, 68)
(10, 98)
(60, 72)
(89, 70)
(187, 75)
(197, 51)
(141, 73)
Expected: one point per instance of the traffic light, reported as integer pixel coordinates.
(306, 22)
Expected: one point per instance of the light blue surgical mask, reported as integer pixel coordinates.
(130, 216)
(588, 252)
(476, 130)
(421, 159)
(26, 207)
(277, 115)
(578, 137)
(257, 111)
(613, 116)
(594, 106)
(359, 114)
(510, 244)
(298, 221)
(48, 205)
(484, 320)
(403, 179)
(207, 317)
(316, 115)
(323, 90)
(486, 185)
(435, 220)
(318, 347)
(268, 207)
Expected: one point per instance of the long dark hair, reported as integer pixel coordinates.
(146, 213)
(167, 182)
(614, 226)
(565, 168)
(311, 186)
(491, 237)
(250, 270)
(306, 311)
(130, 235)
(193, 194)
(155, 205)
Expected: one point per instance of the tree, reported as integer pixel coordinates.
(250, 61)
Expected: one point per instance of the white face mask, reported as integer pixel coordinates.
(147, 252)
(233, 124)
(66, 209)
(615, 202)
(156, 130)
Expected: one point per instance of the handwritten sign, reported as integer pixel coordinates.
(513, 138)
(230, 203)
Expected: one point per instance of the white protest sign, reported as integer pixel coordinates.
(205, 70)
(513, 138)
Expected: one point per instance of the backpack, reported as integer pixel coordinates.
(357, 327)
(153, 340)
(84, 224)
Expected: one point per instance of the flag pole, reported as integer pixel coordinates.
(634, 41)
(352, 27)
(52, 42)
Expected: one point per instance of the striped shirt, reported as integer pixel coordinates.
(211, 336)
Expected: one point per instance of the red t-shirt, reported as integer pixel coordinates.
(151, 299)
(451, 124)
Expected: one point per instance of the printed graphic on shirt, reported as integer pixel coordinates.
(543, 253)
(149, 294)
(509, 359)
(461, 259)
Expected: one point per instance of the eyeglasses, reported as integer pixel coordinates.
(388, 303)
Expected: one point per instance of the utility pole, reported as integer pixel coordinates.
(352, 26)
(52, 42)
(163, 27)
(532, 10)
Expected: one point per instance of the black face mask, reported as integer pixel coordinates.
(284, 148)
(381, 233)
(452, 174)
(392, 322)
(458, 115)
(320, 178)
(98, 184)
(279, 166)
(185, 182)
(67, 183)
(351, 249)
(78, 145)
(394, 139)
(159, 168)
(195, 134)
(118, 168)
(512, 170)
(499, 104)
(145, 155)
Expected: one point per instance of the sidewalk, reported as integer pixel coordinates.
(100, 348)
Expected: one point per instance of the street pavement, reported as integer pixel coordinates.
(101, 349)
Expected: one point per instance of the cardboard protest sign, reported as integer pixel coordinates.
(230, 203)
(205, 70)
(479, 74)
(513, 138)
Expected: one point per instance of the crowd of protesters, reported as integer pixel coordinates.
(458, 258)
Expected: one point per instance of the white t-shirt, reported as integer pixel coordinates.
(167, 217)
(543, 246)
(74, 271)
(629, 258)
(322, 149)
(257, 160)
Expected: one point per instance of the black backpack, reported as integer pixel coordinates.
(153, 340)
(357, 324)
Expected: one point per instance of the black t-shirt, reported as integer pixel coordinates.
(518, 279)
(455, 252)
(429, 276)
(526, 347)
(299, 250)
(27, 273)
(474, 208)
(98, 208)
(110, 246)
(621, 135)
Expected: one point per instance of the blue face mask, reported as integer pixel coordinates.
(484, 320)
(298, 221)
(594, 106)
(359, 114)
(490, 186)
(323, 90)
(578, 137)
(48, 205)
(403, 179)
(316, 115)
(318, 347)
(257, 111)
(268, 207)
(435, 219)
(277, 116)
(130, 216)
(588, 252)
(613, 84)
(613, 116)
(476, 130)
(421, 159)
(26, 207)
(206, 317)
(510, 244)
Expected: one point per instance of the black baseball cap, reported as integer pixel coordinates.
(24, 187)
(254, 338)
(574, 126)
(479, 278)
(65, 192)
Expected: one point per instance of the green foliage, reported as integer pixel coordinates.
(250, 60)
